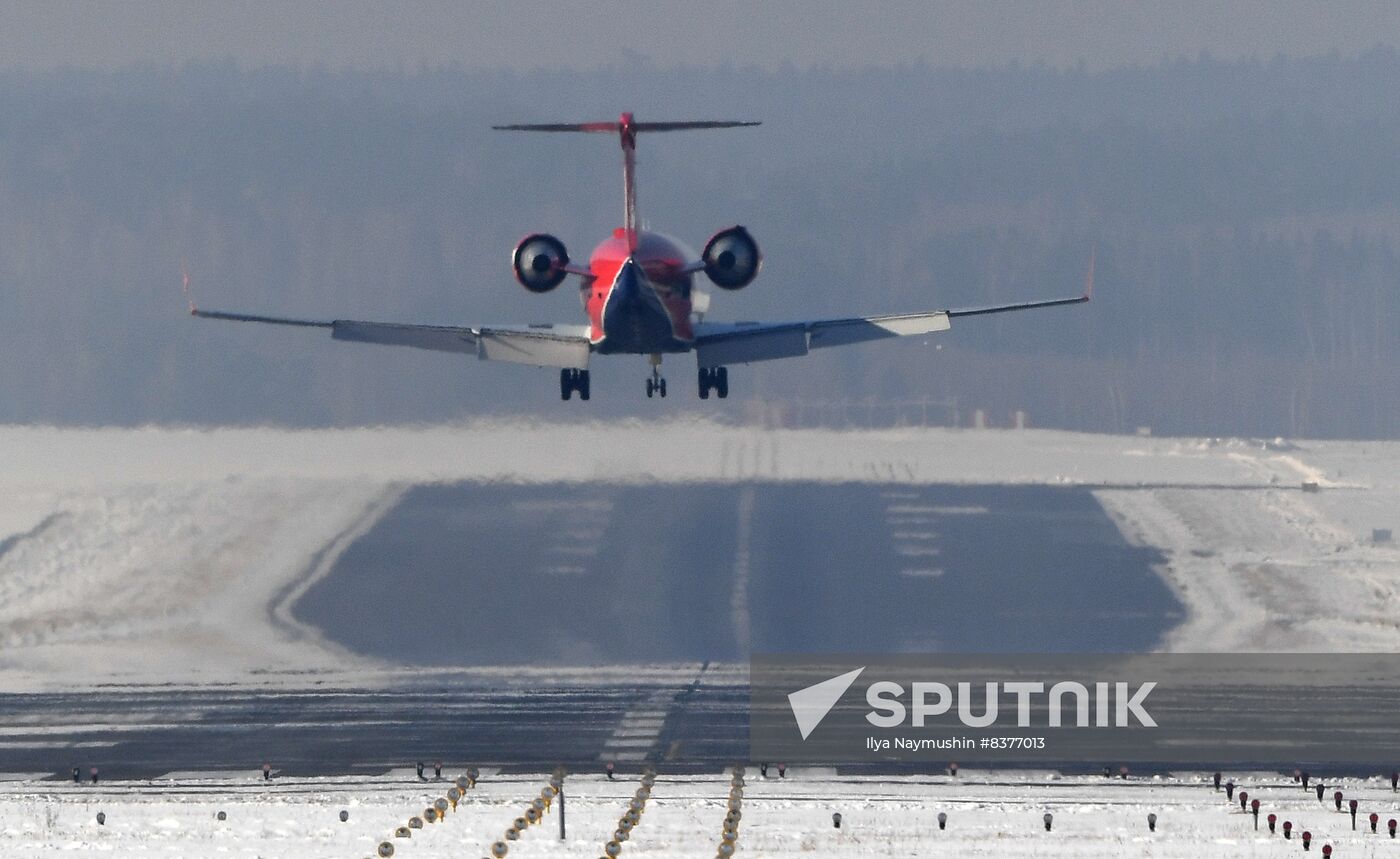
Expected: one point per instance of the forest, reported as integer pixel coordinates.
(1244, 217)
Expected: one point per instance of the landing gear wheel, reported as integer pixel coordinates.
(656, 384)
(714, 379)
(573, 380)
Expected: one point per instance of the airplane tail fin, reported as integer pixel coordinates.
(627, 129)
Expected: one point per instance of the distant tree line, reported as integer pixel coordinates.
(1245, 216)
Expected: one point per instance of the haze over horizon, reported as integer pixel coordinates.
(1246, 211)
(537, 34)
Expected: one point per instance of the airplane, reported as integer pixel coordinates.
(638, 293)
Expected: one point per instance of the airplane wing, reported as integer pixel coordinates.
(542, 345)
(717, 344)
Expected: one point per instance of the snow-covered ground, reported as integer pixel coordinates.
(1279, 569)
(988, 814)
(173, 554)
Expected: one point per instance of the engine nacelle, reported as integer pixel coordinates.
(539, 262)
(731, 258)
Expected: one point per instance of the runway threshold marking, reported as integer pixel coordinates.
(901, 513)
(579, 539)
(922, 572)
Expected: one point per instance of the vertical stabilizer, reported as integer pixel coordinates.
(626, 129)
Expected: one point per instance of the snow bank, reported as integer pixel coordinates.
(170, 554)
(1277, 568)
(155, 580)
(681, 451)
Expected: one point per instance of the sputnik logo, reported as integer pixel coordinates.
(810, 705)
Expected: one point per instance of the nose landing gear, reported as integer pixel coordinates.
(571, 381)
(656, 384)
(714, 379)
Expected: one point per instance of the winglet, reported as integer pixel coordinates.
(1089, 281)
(185, 285)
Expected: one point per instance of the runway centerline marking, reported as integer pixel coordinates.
(739, 595)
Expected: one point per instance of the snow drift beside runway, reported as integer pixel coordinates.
(172, 554)
(678, 451)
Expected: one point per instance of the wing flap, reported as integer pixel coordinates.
(745, 343)
(439, 338)
(539, 345)
(533, 347)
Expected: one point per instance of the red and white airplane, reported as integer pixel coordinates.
(638, 292)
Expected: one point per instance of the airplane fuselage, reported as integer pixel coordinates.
(638, 295)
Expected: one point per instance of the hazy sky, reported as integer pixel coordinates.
(41, 34)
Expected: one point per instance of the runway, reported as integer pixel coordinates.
(683, 719)
(687, 579)
(461, 719)
(483, 574)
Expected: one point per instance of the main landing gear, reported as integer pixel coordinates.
(656, 384)
(571, 381)
(714, 379)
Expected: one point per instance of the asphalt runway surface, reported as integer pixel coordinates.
(474, 574)
(564, 575)
(681, 723)
(145, 732)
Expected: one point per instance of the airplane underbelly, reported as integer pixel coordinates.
(639, 328)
